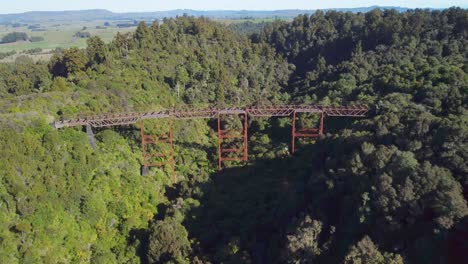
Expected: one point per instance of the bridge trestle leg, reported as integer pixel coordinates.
(242, 152)
(293, 144)
(157, 157)
(305, 132)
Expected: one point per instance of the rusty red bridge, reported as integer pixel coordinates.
(224, 154)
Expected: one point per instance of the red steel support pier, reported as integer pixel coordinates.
(305, 132)
(153, 155)
(159, 159)
(234, 153)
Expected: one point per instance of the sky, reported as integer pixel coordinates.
(18, 6)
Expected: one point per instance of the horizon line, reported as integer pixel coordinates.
(237, 10)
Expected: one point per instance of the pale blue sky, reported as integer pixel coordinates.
(16, 6)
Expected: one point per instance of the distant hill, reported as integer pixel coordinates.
(100, 14)
(45, 16)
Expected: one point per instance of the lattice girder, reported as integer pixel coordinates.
(106, 120)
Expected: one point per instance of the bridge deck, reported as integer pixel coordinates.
(106, 120)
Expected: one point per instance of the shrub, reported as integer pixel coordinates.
(14, 37)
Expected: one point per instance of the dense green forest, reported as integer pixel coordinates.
(388, 188)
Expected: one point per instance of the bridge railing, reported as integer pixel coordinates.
(106, 120)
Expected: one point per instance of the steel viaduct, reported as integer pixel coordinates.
(224, 154)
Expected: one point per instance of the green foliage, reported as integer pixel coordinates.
(58, 194)
(82, 34)
(36, 39)
(33, 51)
(6, 54)
(248, 27)
(398, 176)
(23, 77)
(96, 50)
(168, 241)
(71, 62)
(365, 252)
(302, 244)
(59, 84)
(14, 37)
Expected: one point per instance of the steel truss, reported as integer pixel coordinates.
(106, 120)
(224, 154)
(153, 157)
(232, 153)
(305, 132)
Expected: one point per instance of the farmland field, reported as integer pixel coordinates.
(60, 34)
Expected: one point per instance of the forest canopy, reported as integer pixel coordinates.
(388, 188)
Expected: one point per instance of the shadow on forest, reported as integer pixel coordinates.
(248, 207)
(458, 243)
(251, 207)
(247, 210)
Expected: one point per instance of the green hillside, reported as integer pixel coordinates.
(388, 188)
